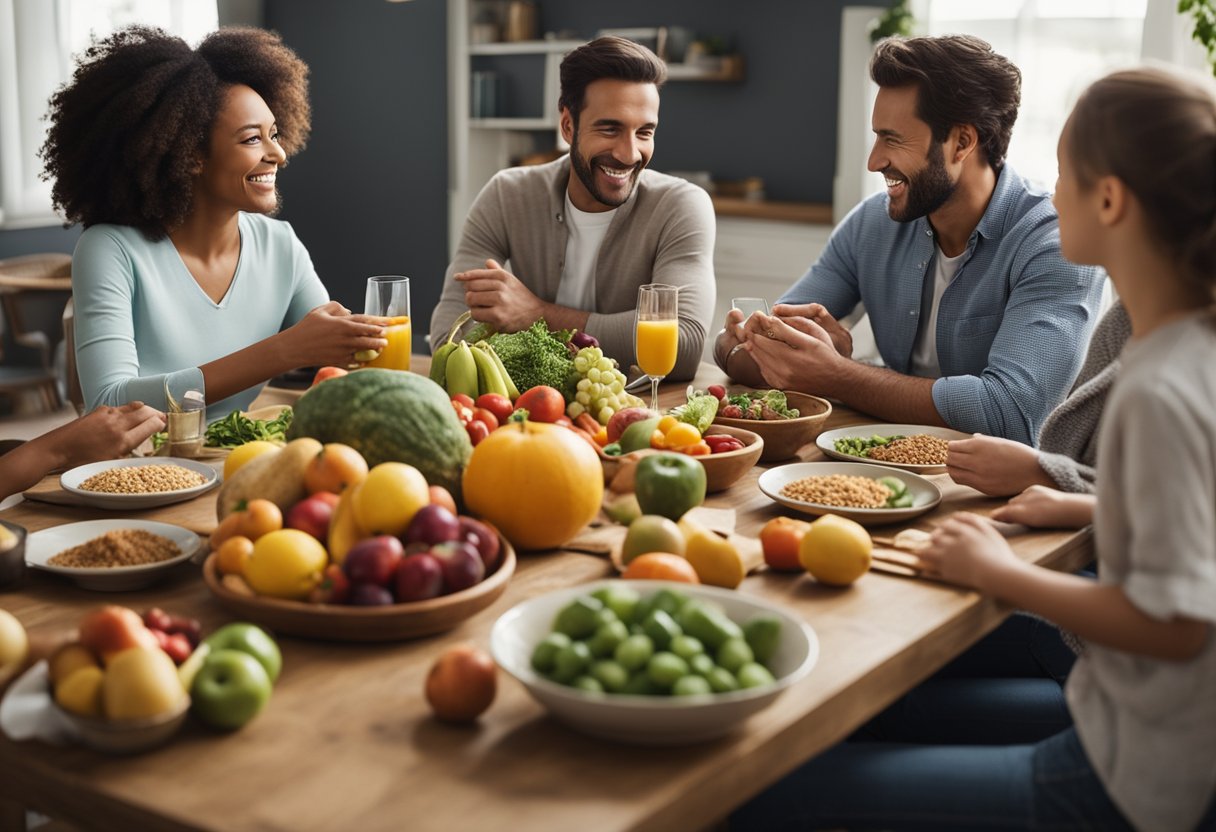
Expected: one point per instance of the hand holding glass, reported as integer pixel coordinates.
(749, 305)
(658, 333)
(388, 298)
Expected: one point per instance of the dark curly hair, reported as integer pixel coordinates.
(130, 129)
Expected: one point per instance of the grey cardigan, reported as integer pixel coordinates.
(664, 233)
(1068, 442)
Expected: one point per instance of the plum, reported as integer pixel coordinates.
(432, 524)
(419, 577)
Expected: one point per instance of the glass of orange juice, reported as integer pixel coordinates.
(388, 297)
(658, 333)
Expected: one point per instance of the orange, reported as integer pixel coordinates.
(233, 555)
(661, 566)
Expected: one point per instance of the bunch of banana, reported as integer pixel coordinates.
(472, 370)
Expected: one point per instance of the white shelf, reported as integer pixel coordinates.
(527, 47)
(512, 124)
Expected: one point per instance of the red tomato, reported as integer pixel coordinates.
(463, 399)
(480, 414)
(500, 406)
(544, 404)
(326, 373)
(477, 431)
(464, 414)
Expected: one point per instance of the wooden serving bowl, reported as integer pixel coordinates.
(336, 622)
(784, 437)
(721, 470)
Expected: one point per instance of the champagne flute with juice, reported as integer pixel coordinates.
(388, 298)
(658, 333)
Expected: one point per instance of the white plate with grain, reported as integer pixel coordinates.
(146, 482)
(828, 440)
(924, 494)
(126, 543)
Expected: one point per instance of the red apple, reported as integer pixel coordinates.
(112, 629)
(419, 577)
(624, 418)
(461, 562)
(311, 515)
(373, 561)
(432, 524)
(484, 538)
(370, 595)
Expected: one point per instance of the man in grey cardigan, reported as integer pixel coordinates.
(584, 232)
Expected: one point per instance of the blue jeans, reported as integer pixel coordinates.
(1046, 786)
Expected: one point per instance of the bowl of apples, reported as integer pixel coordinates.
(443, 569)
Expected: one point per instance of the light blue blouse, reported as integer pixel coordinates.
(142, 319)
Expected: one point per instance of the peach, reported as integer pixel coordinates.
(112, 629)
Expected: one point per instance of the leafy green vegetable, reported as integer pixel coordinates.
(535, 356)
(236, 429)
(767, 405)
(699, 411)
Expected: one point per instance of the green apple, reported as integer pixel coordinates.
(251, 639)
(229, 689)
(652, 533)
(669, 484)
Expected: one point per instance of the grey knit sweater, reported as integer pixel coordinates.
(1068, 442)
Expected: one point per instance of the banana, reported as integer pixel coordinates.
(512, 391)
(439, 363)
(489, 380)
(461, 372)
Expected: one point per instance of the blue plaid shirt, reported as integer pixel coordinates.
(1012, 326)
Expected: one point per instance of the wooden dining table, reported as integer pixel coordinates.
(348, 742)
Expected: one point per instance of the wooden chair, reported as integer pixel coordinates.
(22, 280)
(72, 378)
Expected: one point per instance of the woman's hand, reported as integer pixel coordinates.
(967, 550)
(998, 467)
(1047, 508)
(330, 334)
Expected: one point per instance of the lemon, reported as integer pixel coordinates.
(835, 550)
(286, 564)
(389, 497)
(80, 692)
(243, 453)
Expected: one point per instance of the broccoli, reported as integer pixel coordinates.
(535, 356)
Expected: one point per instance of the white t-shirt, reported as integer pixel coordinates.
(1148, 726)
(924, 353)
(584, 234)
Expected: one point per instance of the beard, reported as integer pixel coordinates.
(925, 191)
(584, 169)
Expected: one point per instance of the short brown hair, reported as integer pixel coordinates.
(606, 57)
(1155, 130)
(959, 80)
(128, 131)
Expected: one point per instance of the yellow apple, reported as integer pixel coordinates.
(80, 691)
(14, 646)
(141, 682)
(389, 497)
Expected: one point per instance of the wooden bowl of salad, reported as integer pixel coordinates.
(783, 436)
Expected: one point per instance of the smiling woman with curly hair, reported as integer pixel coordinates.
(168, 156)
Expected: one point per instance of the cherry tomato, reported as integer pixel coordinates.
(717, 391)
(477, 431)
(463, 399)
(544, 404)
(481, 414)
(500, 406)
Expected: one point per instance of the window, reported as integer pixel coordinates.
(37, 41)
(1061, 46)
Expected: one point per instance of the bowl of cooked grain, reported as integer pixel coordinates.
(138, 483)
(870, 494)
(784, 437)
(919, 448)
(111, 555)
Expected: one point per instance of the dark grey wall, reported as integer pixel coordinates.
(778, 124)
(369, 194)
(38, 241)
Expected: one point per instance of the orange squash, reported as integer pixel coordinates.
(538, 483)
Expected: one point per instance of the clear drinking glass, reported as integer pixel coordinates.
(749, 305)
(657, 333)
(388, 298)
